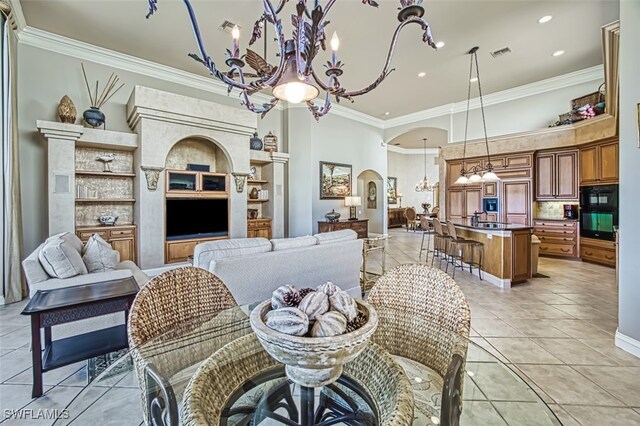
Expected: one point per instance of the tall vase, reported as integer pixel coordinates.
(94, 117)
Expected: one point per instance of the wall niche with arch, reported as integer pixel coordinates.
(197, 150)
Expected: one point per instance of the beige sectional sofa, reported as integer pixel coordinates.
(253, 267)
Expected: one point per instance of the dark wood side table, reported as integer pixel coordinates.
(361, 226)
(62, 305)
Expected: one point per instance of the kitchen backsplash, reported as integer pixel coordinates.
(549, 209)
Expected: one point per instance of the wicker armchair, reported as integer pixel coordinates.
(425, 319)
(229, 368)
(183, 298)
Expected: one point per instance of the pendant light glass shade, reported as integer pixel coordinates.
(490, 177)
(462, 180)
(474, 178)
(291, 89)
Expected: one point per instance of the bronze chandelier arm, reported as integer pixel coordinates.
(246, 102)
(206, 60)
(343, 93)
(319, 112)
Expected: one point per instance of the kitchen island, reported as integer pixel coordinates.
(507, 250)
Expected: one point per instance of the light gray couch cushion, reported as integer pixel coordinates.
(336, 236)
(98, 255)
(60, 257)
(33, 270)
(292, 243)
(205, 253)
(253, 278)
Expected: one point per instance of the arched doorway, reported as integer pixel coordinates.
(372, 191)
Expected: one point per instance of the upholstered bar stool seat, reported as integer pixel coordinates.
(458, 249)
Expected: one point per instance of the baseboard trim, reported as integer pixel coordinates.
(628, 344)
(492, 279)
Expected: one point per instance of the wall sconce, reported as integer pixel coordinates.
(352, 203)
(240, 179)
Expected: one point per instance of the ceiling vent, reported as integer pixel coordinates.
(227, 26)
(501, 52)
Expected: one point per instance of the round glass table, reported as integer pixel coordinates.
(147, 383)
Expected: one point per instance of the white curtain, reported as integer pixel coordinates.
(14, 288)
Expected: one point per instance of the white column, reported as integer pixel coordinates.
(61, 180)
(275, 174)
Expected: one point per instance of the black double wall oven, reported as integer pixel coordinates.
(599, 211)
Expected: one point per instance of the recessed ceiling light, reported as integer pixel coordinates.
(422, 74)
(545, 19)
(387, 113)
(440, 44)
(558, 53)
(474, 79)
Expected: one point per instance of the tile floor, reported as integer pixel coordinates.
(557, 333)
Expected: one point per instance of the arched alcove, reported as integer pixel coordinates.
(197, 150)
(372, 192)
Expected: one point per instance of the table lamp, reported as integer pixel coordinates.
(352, 203)
(399, 196)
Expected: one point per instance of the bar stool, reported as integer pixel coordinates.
(440, 242)
(457, 247)
(427, 229)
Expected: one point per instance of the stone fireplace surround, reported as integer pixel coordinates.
(160, 120)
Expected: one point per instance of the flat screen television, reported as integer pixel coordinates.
(189, 218)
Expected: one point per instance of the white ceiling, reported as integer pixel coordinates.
(365, 33)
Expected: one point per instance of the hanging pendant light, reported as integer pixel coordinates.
(424, 185)
(476, 174)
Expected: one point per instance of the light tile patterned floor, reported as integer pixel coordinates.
(556, 333)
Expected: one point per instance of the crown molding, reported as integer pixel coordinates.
(78, 49)
(66, 46)
(412, 151)
(352, 114)
(538, 87)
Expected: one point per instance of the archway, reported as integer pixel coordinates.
(406, 162)
(198, 150)
(372, 191)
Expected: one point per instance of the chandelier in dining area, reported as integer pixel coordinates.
(297, 77)
(424, 185)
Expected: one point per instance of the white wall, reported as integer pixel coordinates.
(44, 77)
(409, 169)
(375, 215)
(629, 288)
(334, 139)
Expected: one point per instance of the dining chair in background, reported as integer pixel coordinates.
(411, 216)
(173, 300)
(424, 320)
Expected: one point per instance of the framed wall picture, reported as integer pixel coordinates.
(372, 195)
(392, 190)
(335, 181)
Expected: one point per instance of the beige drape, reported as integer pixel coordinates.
(14, 286)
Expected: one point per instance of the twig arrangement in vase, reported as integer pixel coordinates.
(93, 116)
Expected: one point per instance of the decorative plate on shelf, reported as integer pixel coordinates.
(252, 172)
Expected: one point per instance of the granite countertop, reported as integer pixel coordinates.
(496, 226)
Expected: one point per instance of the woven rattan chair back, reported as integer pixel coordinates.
(437, 226)
(177, 297)
(427, 318)
(229, 368)
(451, 229)
(435, 211)
(424, 224)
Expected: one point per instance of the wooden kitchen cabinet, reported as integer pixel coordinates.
(599, 163)
(462, 203)
(557, 237)
(516, 205)
(490, 189)
(454, 168)
(557, 175)
(598, 251)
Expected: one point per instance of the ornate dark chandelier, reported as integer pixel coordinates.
(295, 78)
(477, 173)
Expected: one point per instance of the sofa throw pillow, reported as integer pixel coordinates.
(292, 243)
(99, 256)
(60, 256)
(336, 236)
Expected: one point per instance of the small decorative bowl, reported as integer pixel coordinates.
(108, 220)
(313, 361)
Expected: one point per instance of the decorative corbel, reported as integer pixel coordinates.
(241, 179)
(152, 174)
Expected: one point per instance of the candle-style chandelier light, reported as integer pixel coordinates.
(295, 78)
(424, 185)
(477, 173)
